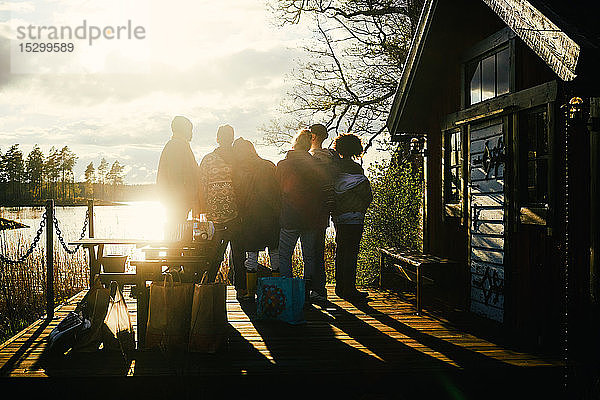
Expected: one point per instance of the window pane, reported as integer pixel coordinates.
(537, 134)
(454, 195)
(502, 71)
(456, 141)
(542, 181)
(488, 78)
(476, 85)
(542, 133)
(531, 181)
(452, 171)
(536, 141)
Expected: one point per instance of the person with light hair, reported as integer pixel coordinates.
(302, 194)
(326, 160)
(177, 180)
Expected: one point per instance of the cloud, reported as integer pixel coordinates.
(214, 62)
(5, 75)
(233, 73)
(21, 6)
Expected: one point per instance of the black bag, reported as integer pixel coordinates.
(66, 334)
(81, 329)
(93, 307)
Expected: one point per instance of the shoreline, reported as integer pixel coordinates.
(82, 203)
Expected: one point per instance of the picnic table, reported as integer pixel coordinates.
(191, 259)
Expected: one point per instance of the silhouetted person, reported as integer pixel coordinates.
(326, 160)
(353, 197)
(303, 193)
(218, 200)
(177, 179)
(259, 207)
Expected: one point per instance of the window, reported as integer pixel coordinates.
(535, 156)
(488, 76)
(453, 167)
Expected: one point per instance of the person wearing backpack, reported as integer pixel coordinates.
(218, 201)
(353, 196)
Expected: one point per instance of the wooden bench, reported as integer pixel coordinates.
(418, 269)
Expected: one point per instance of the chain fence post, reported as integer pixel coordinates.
(90, 205)
(92, 263)
(49, 259)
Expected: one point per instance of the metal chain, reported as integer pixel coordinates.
(33, 245)
(62, 240)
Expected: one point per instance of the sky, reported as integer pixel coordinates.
(214, 62)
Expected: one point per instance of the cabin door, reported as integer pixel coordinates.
(488, 222)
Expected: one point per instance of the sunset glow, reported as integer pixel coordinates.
(215, 62)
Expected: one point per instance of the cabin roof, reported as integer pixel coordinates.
(565, 35)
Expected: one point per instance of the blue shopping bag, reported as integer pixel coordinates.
(280, 298)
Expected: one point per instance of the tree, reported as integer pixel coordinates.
(3, 178)
(115, 175)
(66, 164)
(2, 170)
(102, 171)
(34, 171)
(90, 178)
(52, 171)
(394, 218)
(351, 74)
(13, 166)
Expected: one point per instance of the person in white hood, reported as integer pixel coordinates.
(353, 196)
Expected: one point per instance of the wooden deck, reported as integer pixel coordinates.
(379, 348)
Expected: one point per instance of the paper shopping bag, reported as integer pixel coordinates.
(119, 331)
(169, 314)
(209, 316)
(280, 298)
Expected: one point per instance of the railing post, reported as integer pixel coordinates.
(90, 205)
(49, 259)
(94, 267)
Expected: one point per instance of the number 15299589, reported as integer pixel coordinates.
(46, 47)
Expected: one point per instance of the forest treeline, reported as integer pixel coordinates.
(37, 177)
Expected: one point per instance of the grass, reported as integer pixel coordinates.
(23, 286)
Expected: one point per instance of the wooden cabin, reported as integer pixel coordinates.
(504, 95)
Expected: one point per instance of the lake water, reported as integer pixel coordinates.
(133, 220)
(136, 220)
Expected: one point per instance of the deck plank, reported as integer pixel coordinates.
(383, 335)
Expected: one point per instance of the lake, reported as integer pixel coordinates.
(133, 220)
(138, 220)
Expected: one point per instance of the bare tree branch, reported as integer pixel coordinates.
(352, 67)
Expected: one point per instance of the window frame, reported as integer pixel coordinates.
(533, 213)
(453, 207)
(504, 38)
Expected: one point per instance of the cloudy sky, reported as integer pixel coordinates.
(213, 61)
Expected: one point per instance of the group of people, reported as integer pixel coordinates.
(257, 205)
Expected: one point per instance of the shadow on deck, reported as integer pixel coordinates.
(375, 350)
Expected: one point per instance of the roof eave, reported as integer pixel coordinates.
(543, 36)
(414, 54)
